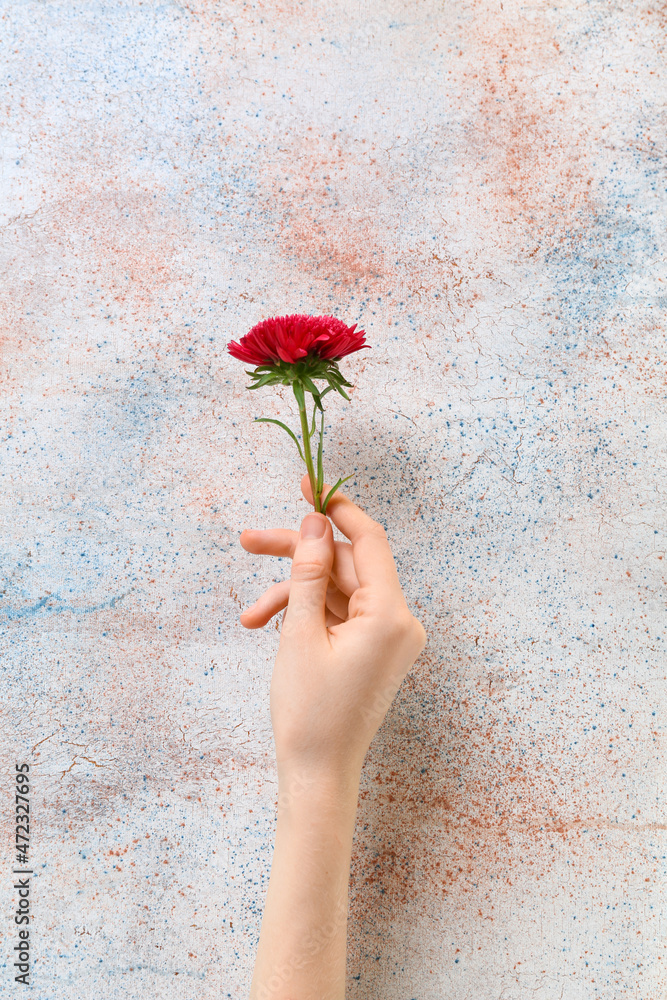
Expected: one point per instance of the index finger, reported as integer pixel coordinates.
(373, 559)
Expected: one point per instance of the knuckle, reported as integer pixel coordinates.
(404, 625)
(304, 570)
(420, 633)
(377, 530)
(400, 623)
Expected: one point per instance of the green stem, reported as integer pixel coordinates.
(320, 469)
(305, 433)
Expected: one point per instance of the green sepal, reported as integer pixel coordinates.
(303, 371)
(310, 385)
(333, 490)
(264, 380)
(298, 392)
(270, 420)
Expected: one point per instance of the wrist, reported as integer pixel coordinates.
(318, 785)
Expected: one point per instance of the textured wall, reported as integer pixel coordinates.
(481, 186)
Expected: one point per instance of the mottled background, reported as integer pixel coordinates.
(481, 186)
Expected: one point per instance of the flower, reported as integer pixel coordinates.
(292, 338)
(295, 350)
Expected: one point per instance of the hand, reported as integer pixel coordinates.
(347, 640)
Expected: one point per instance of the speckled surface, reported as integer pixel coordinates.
(481, 187)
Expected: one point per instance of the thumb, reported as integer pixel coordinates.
(311, 568)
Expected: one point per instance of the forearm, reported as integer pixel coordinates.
(302, 945)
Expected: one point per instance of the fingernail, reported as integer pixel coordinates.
(314, 526)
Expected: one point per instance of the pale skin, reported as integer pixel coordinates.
(347, 641)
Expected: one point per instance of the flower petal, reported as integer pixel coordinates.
(291, 338)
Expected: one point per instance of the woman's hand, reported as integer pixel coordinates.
(347, 641)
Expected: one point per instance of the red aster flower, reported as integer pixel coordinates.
(297, 350)
(292, 338)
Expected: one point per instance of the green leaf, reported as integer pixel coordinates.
(318, 406)
(343, 393)
(270, 420)
(333, 490)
